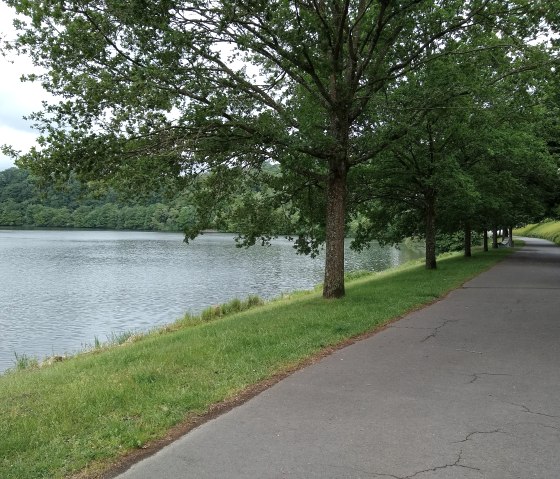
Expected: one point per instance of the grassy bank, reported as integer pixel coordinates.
(83, 413)
(549, 230)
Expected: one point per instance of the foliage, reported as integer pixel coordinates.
(23, 202)
(455, 241)
(88, 410)
(474, 159)
(155, 93)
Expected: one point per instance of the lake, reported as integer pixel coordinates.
(62, 289)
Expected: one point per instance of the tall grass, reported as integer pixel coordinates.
(84, 412)
(549, 230)
(23, 361)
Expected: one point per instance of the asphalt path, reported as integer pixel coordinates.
(468, 388)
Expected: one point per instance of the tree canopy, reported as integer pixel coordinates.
(155, 93)
(475, 159)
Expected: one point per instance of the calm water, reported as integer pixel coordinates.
(61, 289)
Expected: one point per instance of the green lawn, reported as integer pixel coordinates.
(87, 411)
(549, 230)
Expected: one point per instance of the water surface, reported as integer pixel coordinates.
(62, 289)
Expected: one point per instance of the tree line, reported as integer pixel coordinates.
(24, 203)
(403, 117)
(28, 201)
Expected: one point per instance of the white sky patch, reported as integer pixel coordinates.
(18, 139)
(17, 99)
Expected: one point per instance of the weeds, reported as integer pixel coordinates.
(231, 307)
(23, 362)
(116, 339)
(357, 274)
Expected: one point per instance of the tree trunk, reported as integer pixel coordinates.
(335, 228)
(468, 240)
(511, 236)
(485, 240)
(431, 232)
(495, 237)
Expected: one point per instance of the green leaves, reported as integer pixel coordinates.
(170, 88)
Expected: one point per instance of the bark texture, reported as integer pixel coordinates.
(468, 240)
(335, 228)
(430, 232)
(495, 237)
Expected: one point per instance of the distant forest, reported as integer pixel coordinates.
(24, 203)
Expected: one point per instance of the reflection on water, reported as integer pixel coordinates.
(63, 288)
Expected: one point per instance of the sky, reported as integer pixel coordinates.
(17, 99)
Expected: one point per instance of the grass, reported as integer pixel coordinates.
(84, 412)
(23, 361)
(549, 230)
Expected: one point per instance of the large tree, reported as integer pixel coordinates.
(160, 90)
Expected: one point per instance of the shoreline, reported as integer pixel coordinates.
(99, 409)
(95, 286)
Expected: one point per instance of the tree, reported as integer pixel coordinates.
(508, 157)
(155, 92)
(420, 188)
(550, 131)
(15, 185)
(467, 160)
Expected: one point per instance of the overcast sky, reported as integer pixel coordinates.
(17, 99)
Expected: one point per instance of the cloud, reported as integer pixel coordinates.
(17, 99)
(19, 139)
(15, 104)
(5, 162)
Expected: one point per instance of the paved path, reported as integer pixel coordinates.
(467, 388)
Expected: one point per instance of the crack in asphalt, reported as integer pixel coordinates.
(433, 469)
(471, 434)
(436, 330)
(477, 376)
(437, 468)
(526, 409)
(410, 327)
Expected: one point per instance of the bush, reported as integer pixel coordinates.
(446, 242)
